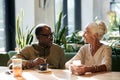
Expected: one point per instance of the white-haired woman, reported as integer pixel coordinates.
(94, 56)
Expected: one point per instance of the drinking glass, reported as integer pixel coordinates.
(77, 62)
(17, 67)
(43, 67)
(74, 64)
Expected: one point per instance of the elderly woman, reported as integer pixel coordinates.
(94, 56)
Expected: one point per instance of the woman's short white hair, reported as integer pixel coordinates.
(98, 27)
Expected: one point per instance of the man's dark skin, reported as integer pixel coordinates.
(45, 39)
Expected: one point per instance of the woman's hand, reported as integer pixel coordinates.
(78, 70)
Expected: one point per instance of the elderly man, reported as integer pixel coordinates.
(45, 51)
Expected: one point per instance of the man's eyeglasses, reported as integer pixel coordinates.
(47, 35)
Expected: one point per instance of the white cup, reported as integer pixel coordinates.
(77, 62)
(74, 64)
(17, 67)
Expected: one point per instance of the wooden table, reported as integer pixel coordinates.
(56, 74)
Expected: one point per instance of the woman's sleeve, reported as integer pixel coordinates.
(107, 60)
(78, 56)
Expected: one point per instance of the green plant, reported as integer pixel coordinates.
(75, 38)
(113, 21)
(59, 33)
(23, 38)
(74, 41)
(115, 46)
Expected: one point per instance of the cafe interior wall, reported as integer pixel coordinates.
(101, 9)
(28, 8)
(35, 14)
(45, 13)
(94, 8)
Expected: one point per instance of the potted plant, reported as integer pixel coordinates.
(59, 33)
(74, 41)
(23, 38)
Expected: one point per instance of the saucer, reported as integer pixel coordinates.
(46, 71)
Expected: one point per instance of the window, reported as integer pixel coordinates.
(7, 25)
(114, 18)
(72, 10)
(2, 26)
(115, 6)
(113, 26)
(71, 26)
(58, 9)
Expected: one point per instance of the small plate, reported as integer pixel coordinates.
(46, 71)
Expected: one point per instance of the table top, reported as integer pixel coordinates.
(57, 74)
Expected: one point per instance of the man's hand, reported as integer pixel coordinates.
(38, 61)
(35, 62)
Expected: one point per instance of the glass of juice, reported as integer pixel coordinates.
(17, 67)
